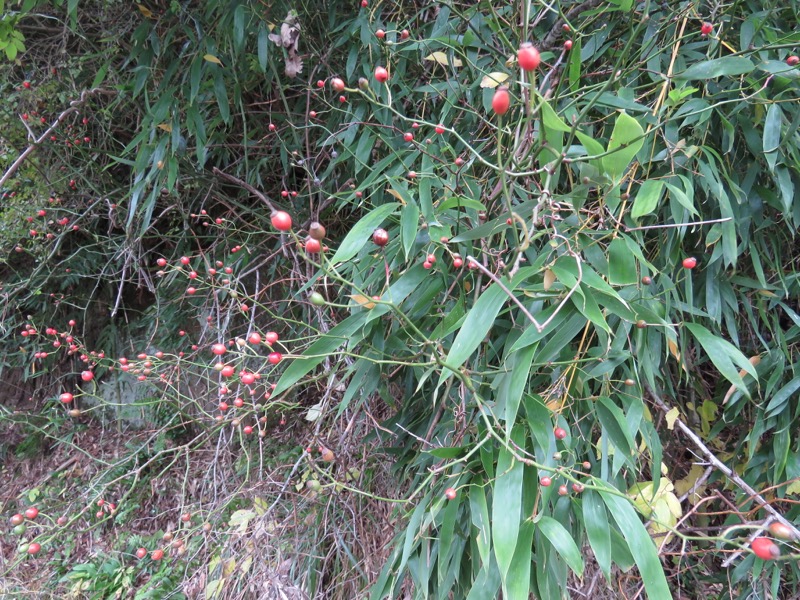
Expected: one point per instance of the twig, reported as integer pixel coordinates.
(539, 326)
(665, 226)
(727, 471)
(241, 183)
(555, 30)
(73, 107)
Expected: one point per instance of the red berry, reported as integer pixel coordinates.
(408, 136)
(706, 28)
(577, 488)
(792, 60)
(380, 34)
(161, 262)
(247, 429)
(342, 99)
(568, 45)
(219, 349)
(313, 246)
(274, 357)
(157, 554)
(780, 530)
(426, 265)
(26, 85)
(32, 512)
(381, 74)
(87, 375)
(281, 221)
(141, 553)
(380, 237)
(765, 549)
(528, 57)
(457, 262)
(34, 548)
(17, 519)
(248, 378)
(271, 337)
(450, 494)
(501, 100)
(545, 481)
(337, 84)
(439, 129)
(66, 397)
(320, 83)
(404, 34)
(689, 263)
(364, 4)
(254, 338)
(560, 433)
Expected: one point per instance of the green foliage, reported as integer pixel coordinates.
(533, 281)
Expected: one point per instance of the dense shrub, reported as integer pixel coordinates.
(543, 337)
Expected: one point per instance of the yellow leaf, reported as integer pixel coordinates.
(166, 127)
(363, 301)
(767, 293)
(682, 486)
(673, 348)
(244, 566)
(754, 360)
(549, 279)
(672, 416)
(397, 195)
(146, 12)
(228, 567)
(492, 80)
(260, 505)
(214, 588)
(467, 286)
(441, 58)
(212, 58)
(793, 488)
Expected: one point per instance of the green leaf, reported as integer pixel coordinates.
(621, 264)
(478, 322)
(724, 355)
(507, 505)
(626, 140)
(409, 225)
(221, 94)
(550, 118)
(480, 520)
(708, 69)
(613, 421)
(263, 47)
(772, 134)
(321, 349)
(641, 546)
(647, 198)
(781, 397)
(361, 232)
(518, 580)
(595, 521)
(562, 541)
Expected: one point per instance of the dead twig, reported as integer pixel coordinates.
(725, 470)
(73, 107)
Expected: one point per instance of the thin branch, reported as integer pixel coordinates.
(73, 107)
(709, 222)
(241, 183)
(727, 471)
